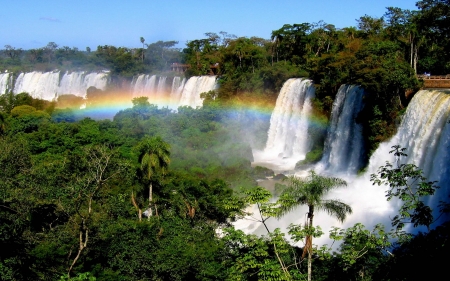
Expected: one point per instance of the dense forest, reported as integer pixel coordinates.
(152, 193)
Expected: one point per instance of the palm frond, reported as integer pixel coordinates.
(335, 208)
(310, 191)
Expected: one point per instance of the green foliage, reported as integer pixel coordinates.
(154, 155)
(70, 101)
(80, 277)
(67, 183)
(262, 172)
(299, 232)
(311, 157)
(359, 243)
(406, 183)
(22, 110)
(160, 55)
(310, 191)
(251, 258)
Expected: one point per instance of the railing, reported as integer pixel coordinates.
(178, 67)
(435, 81)
(434, 77)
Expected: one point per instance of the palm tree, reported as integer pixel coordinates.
(142, 41)
(154, 156)
(310, 191)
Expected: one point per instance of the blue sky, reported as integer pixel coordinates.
(31, 24)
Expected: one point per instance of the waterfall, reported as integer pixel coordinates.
(97, 80)
(425, 133)
(288, 132)
(38, 85)
(143, 86)
(4, 82)
(151, 86)
(344, 147)
(194, 87)
(76, 83)
(47, 85)
(177, 89)
(161, 89)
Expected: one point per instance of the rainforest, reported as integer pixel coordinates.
(317, 154)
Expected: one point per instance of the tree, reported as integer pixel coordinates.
(371, 26)
(406, 181)
(154, 158)
(12, 52)
(290, 42)
(80, 200)
(433, 21)
(142, 41)
(49, 51)
(311, 191)
(160, 54)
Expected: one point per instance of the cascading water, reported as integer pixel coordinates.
(177, 89)
(344, 147)
(155, 88)
(424, 131)
(47, 85)
(4, 82)
(143, 85)
(76, 83)
(161, 89)
(38, 85)
(288, 136)
(196, 85)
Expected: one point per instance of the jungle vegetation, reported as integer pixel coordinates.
(151, 194)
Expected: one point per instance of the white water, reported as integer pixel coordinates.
(48, 86)
(161, 89)
(177, 94)
(4, 82)
(288, 139)
(177, 89)
(143, 86)
(196, 85)
(344, 147)
(51, 85)
(425, 132)
(77, 83)
(38, 84)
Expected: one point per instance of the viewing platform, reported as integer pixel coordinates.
(435, 81)
(178, 67)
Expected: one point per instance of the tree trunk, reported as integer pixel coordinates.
(136, 206)
(309, 264)
(415, 59)
(150, 201)
(84, 231)
(309, 241)
(412, 50)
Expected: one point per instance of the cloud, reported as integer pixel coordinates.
(49, 19)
